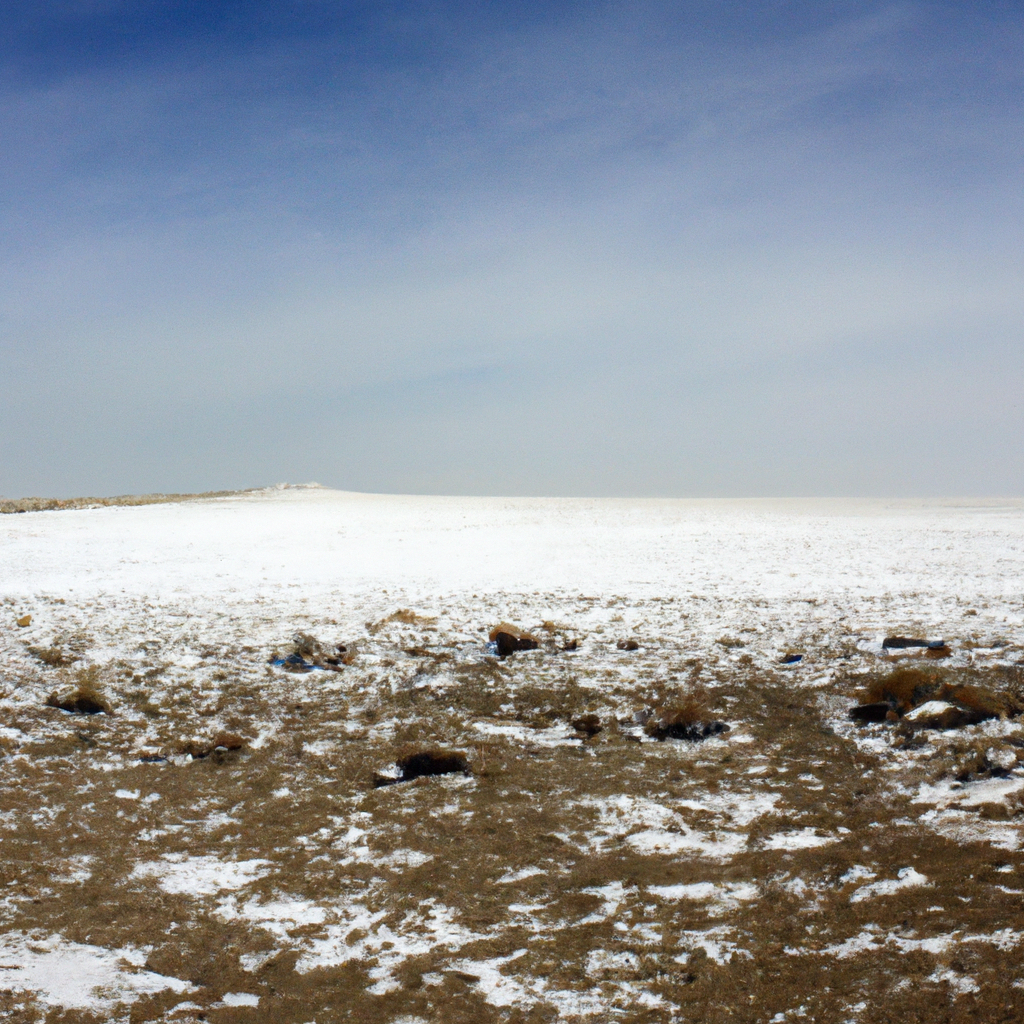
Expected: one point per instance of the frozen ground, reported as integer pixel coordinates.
(799, 866)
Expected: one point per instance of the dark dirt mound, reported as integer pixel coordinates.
(426, 762)
(876, 711)
(897, 695)
(589, 725)
(83, 701)
(686, 719)
(661, 730)
(222, 742)
(901, 643)
(510, 639)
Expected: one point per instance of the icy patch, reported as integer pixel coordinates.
(959, 983)
(277, 916)
(718, 898)
(803, 839)
(714, 943)
(612, 894)
(964, 828)
(555, 736)
(519, 876)
(856, 874)
(905, 879)
(200, 876)
(240, 999)
(501, 990)
(77, 976)
(601, 960)
(983, 791)
(872, 938)
(361, 935)
(652, 828)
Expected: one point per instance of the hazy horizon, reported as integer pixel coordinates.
(646, 249)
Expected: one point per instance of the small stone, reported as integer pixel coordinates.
(25, 620)
(628, 645)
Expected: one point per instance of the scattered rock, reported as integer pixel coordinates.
(81, 701)
(293, 663)
(791, 659)
(510, 639)
(628, 645)
(571, 645)
(940, 714)
(306, 653)
(876, 711)
(425, 762)
(900, 643)
(686, 719)
(589, 725)
(25, 620)
(924, 701)
(661, 730)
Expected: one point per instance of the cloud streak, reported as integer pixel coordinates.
(656, 249)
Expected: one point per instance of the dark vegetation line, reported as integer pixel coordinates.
(12, 505)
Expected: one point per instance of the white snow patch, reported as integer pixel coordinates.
(802, 839)
(240, 999)
(905, 879)
(200, 876)
(77, 976)
(718, 898)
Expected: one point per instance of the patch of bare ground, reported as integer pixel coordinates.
(786, 869)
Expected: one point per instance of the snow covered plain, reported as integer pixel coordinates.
(798, 866)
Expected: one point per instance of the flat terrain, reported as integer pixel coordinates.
(215, 844)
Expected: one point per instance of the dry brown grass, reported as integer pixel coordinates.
(14, 505)
(526, 806)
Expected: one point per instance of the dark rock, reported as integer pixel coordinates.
(628, 645)
(571, 645)
(426, 763)
(694, 731)
(589, 725)
(899, 643)
(509, 639)
(877, 711)
(791, 659)
(82, 701)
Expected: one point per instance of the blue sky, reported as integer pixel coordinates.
(702, 248)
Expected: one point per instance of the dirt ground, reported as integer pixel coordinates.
(225, 828)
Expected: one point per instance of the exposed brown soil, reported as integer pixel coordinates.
(537, 820)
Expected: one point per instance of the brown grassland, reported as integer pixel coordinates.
(548, 861)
